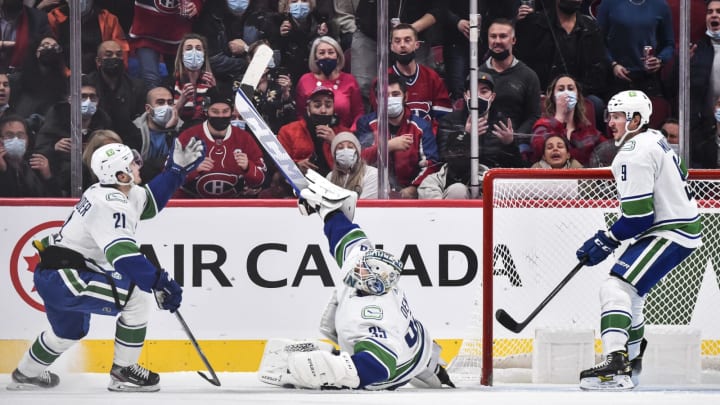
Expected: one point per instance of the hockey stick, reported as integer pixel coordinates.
(268, 141)
(262, 56)
(214, 380)
(511, 324)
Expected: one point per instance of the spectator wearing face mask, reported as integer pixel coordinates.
(98, 25)
(233, 166)
(566, 113)
(44, 80)
(350, 171)
(301, 24)
(326, 63)
(193, 79)
(121, 96)
(159, 126)
(22, 174)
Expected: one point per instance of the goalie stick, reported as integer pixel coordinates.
(268, 141)
(511, 324)
(261, 58)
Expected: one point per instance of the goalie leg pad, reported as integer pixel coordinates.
(320, 369)
(327, 322)
(274, 363)
(324, 197)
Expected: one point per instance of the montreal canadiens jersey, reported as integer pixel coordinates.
(102, 224)
(382, 325)
(651, 180)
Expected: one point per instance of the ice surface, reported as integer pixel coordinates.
(244, 388)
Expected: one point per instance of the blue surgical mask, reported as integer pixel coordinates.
(238, 7)
(15, 147)
(717, 114)
(714, 35)
(88, 108)
(299, 10)
(193, 59)
(572, 98)
(161, 115)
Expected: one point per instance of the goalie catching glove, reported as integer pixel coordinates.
(184, 161)
(597, 248)
(324, 197)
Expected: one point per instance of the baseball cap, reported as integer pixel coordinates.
(321, 90)
(482, 77)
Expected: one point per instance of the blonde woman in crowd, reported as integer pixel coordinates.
(350, 171)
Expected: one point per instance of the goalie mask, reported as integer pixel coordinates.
(376, 273)
(111, 159)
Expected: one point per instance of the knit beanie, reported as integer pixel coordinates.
(342, 137)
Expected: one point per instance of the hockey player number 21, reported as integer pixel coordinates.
(119, 219)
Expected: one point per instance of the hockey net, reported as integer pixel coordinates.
(533, 222)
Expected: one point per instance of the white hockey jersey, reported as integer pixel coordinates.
(382, 325)
(102, 224)
(651, 181)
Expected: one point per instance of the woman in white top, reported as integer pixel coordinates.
(350, 171)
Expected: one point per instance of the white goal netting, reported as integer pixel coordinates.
(534, 221)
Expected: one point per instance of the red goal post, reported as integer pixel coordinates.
(535, 219)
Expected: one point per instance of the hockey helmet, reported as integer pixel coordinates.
(631, 102)
(376, 273)
(113, 158)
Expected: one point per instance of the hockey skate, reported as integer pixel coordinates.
(133, 378)
(613, 374)
(636, 363)
(21, 382)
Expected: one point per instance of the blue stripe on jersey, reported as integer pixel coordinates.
(626, 228)
(636, 197)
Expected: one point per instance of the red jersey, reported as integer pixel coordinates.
(226, 179)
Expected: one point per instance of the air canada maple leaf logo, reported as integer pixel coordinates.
(24, 259)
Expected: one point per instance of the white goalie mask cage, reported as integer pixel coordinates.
(375, 273)
(113, 158)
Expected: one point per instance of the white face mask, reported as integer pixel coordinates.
(15, 147)
(345, 158)
(161, 115)
(395, 107)
(88, 108)
(571, 98)
(193, 59)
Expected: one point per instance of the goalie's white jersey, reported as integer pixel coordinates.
(382, 325)
(651, 181)
(103, 223)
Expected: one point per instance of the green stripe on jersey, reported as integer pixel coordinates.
(121, 248)
(150, 206)
(648, 257)
(637, 207)
(615, 321)
(349, 238)
(691, 228)
(383, 355)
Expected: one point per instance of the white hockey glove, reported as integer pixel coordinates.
(320, 369)
(324, 197)
(274, 364)
(184, 161)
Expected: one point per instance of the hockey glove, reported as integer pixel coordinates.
(184, 161)
(168, 293)
(324, 197)
(597, 248)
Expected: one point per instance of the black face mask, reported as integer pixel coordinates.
(483, 105)
(316, 119)
(219, 123)
(112, 66)
(49, 56)
(569, 6)
(500, 55)
(403, 59)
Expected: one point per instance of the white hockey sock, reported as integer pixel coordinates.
(616, 318)
(43, 352)
(130, 329)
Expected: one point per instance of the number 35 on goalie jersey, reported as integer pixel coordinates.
(387, 330)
